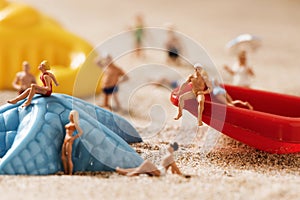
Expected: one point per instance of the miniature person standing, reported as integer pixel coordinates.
(45, 90)
(112, 76)
(23, 79)
(173, 46)
(149, 168)
(66, 153)
(200, 87)
(139, 34)
(241, 72)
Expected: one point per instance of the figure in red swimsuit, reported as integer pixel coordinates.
(45, 90)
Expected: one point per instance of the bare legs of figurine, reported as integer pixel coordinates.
(187, 96)
(182, 98)
(106, 101)
(227, 99)
(200, 100)
(107, 97)
(145, 168)
(66, 157)
(148, 168)
(30, 92)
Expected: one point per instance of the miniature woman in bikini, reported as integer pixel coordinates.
(149, 168)
(66, 153)
(221, 95)
(45, 90)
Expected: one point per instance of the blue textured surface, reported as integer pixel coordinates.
(31, 138)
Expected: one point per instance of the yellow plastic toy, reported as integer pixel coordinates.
(26, 34)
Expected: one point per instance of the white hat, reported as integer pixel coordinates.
(198, 65)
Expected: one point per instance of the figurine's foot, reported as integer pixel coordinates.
(12, 101)
(249, 106)
(121, 171)
(178, 116)
(200, 123)
(25, 104)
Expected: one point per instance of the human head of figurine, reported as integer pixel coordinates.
(74, 116)
(26, 66)
(45, 64)
(173, 147)
(198, 67)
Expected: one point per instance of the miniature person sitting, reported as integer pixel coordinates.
(45, 90)
(221, 95)
(23, 79)
(112, 76)
(200, 87)
(241, 72)
(149, 168)
(66, 153)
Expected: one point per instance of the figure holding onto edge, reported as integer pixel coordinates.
(112, 76)
(45, 90)
(149, 168)
(66, 153)
(221, 95)
(23, 79)
(240, 71)
(200, 87)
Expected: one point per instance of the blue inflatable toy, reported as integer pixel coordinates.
(31, 138)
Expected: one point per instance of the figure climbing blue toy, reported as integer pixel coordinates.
(31, 138)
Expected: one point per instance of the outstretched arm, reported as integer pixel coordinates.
(54, 79)
(183, 85)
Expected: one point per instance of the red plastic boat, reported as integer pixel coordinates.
(273, 126)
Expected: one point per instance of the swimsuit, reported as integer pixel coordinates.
(217, 89)
(173, 52)
(110, 90)
(48, 93)
(139, 34)
(162, 170)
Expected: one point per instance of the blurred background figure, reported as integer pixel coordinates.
(173, 45)
(112, 76)
(221, 95)
(240, 47)
(139, 34)
(23, 79)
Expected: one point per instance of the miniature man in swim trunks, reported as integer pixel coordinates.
(200, 87)
(149, 168)
(112, 76)
(45, 90)
(23, 79)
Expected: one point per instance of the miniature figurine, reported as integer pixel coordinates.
(66, 153)
(166, 82)
(149, 168)
(241, 72)
(200, 87)
(45, 90)
(139, 34)
(112, 76)
(23, 79)
(221, 95)
(173, 45)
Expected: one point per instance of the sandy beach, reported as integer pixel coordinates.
(218, 166)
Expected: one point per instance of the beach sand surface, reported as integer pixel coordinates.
(217, 166)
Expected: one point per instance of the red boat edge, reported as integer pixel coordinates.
(273, 126)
